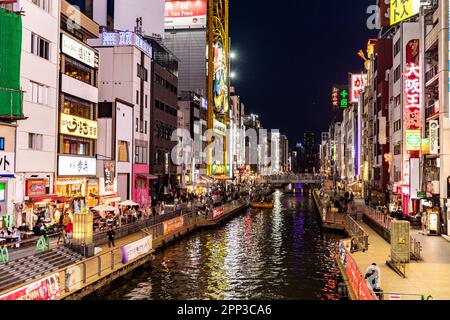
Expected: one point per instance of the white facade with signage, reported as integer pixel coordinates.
(78, 51)
(76, 166)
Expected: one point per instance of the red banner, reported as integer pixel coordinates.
(173, 224)
(218, 212)
(359, 284)
(46, 289)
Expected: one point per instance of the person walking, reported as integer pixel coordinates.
(68, 230)
(111, 236)
(373, 277)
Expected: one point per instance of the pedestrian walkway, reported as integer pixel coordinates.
(426, 277)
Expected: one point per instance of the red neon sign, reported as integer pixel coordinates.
(413, 90)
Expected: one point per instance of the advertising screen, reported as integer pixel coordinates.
(220, 80)
(185, 14)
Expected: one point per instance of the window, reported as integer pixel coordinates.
(39, 93)
(142, 126)
(123, 151)
(137, 96)
(397, 149)
(77, 70)
(397, 100)
(35, 141)
(76, 146)
(40, 46)
(397, 74)
(43, 4)
(397, 125)
(142, 73)
(396, 48)
(146, 101)
(141, 155)
(77, 107)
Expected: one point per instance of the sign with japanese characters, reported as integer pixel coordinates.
(78, 51)
(357, 86)
(185, 14)
(413, 97)
(76, 166)
(7, 163)
(126, 38)
(403, 9)
(78, 127)
(434, 137)
(340, 98)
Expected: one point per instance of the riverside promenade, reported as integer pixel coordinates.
(108, 264)
(423, 278)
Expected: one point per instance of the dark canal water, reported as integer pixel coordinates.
(260, 254)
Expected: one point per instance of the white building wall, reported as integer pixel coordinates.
(42, 118)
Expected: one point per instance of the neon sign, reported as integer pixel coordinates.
(413, 99)
(358, 83)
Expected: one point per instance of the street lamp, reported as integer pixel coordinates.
(232, 75)
(232, 55)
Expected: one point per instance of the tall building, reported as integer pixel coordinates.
(15, 42)
(309, 144)
(78, 95)
(125, 80)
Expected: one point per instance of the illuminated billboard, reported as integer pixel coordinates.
(185, 14)
(357, 85)
(413, 140)
(220, 79)
(403, 9)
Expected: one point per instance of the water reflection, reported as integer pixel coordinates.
(261, 254)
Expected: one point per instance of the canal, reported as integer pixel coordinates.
(280, 253)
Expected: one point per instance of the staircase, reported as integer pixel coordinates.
(24, 269)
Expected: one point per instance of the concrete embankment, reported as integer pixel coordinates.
(109, 264)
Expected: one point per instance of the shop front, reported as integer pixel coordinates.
(39, 204)
(141, 185)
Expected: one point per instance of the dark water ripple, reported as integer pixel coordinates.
(262, 254)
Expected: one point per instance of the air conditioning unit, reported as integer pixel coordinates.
(435, 187)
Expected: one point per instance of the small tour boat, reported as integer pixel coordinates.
(263, 205)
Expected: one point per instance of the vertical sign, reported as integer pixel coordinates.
(434, 137)
(357, 85)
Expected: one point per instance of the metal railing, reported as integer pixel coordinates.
(397, 264)
(415, 249)
(358, 233)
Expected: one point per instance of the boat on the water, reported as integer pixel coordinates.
(262, 205)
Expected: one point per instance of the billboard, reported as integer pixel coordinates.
(135, 249)
(357, 85)
(172, 225)
(220, 79)
(403, 9)
(181, 14)
(339, 97)
(48, 288)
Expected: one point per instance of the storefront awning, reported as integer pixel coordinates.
(147, 176)
(222, 177)
(49, 198)
(206, 179)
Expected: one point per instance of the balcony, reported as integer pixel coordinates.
(79, 88)
(431, 110)
(11, 104)
(431, 75)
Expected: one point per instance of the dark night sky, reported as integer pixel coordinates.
(290, 53)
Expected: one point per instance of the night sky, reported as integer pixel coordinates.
(290, 53)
